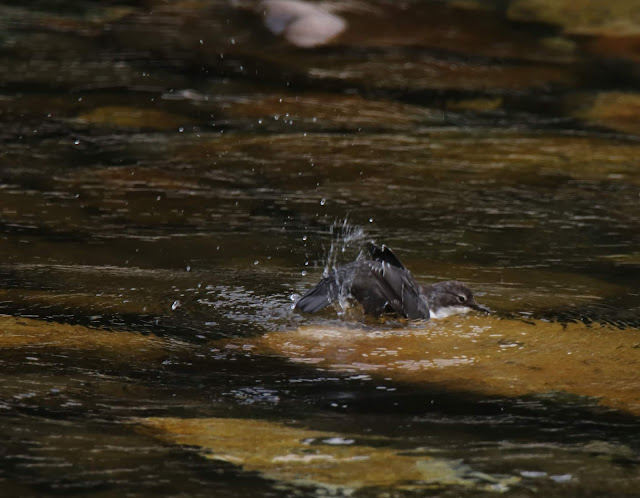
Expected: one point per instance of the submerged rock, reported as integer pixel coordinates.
(25, 332)
(132, 118)
(336, 462)
(616, 110)
(482, 355)
(581, 16)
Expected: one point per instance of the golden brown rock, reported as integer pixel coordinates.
(617, 110)
(481, 355)
(310, 457)
(131, 117)
(615, 18)
(23, 332)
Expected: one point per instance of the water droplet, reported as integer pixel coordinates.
(303, 272)
(276, 116)
(370, 220)
(256, 262)
(76, 142)
(201, 42)
(175, 304)
(304, 237)
(188, 268)
(181, 129)
(323, 202)
(260, 121)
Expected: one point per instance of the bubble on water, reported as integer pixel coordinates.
(76, 142)
(176, 304)
(323, 202)
(304, 237)
(303, 272)
(188, 268)
(256, 262)
(276, 116)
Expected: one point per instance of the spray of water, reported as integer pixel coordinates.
(345, 240)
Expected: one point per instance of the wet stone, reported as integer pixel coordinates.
(479, 355)
(304, 457)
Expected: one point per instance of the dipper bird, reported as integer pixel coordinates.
(383, 285)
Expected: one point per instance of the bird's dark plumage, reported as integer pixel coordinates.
(382, 284)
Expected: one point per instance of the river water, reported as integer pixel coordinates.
(174, 175)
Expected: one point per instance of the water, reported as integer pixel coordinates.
(161, 204)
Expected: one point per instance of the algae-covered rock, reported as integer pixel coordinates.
(482, 355)
(615, 18)
(133, 118)
(333, 461)
(25, 332)
(617, 110)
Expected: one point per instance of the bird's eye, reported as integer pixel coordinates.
(462, 298)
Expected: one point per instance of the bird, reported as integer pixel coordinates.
(382, 284)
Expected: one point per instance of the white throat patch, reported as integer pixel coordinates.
(448, 311)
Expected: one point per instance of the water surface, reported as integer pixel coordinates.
(173, 175)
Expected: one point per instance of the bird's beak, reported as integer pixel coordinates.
(473, 304)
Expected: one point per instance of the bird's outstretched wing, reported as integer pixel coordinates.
(385, 285)
(384, 255)
(321, 296)
(380, 284)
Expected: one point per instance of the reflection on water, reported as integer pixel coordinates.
(173, 175)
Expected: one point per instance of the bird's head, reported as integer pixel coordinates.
(451, 298)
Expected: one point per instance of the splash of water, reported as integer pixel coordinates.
(344, 237)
